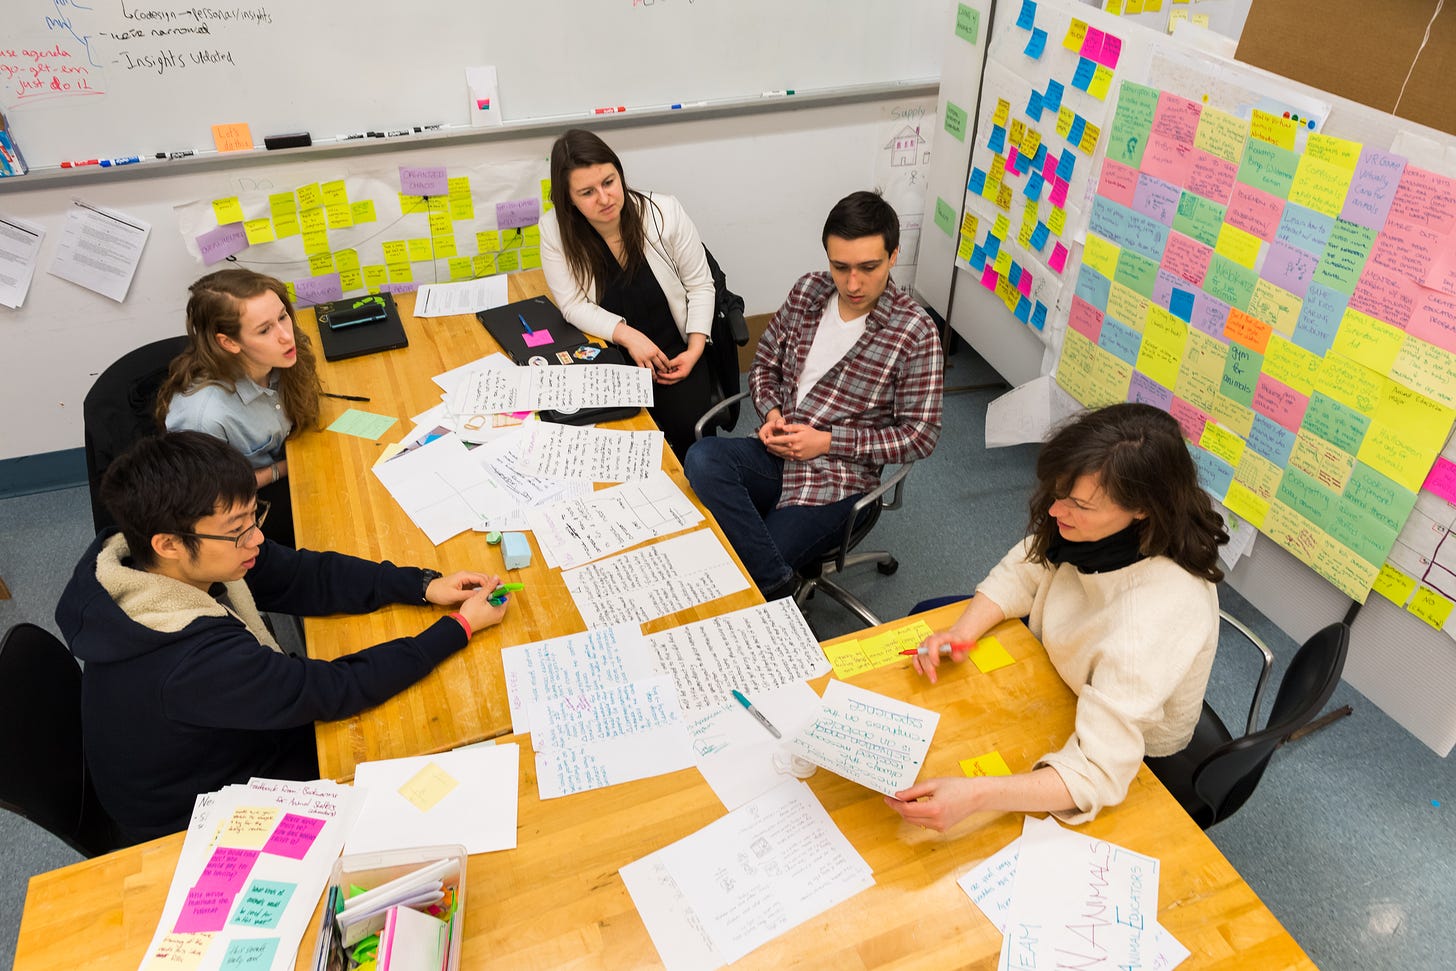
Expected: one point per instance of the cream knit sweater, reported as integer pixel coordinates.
(1135, 645)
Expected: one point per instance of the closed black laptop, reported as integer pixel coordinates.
(359, 325)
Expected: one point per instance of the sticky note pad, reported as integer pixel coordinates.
(427, 787)
(847, 659)
(990, 655)
(362, 424)
(989, 764)
(232, 138)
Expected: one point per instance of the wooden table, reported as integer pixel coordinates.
(557, 901)
(338, 504)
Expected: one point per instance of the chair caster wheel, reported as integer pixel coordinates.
(888, 569)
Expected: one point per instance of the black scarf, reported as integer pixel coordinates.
(1099, 556)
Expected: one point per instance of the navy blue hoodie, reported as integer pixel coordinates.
(180, 697)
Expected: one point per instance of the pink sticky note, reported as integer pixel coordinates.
(222, 242)
(1058, 260)
(293, 836)
(1023, 283)
(205, 909)
(1442, 480)
(1278, 401)
(537, 337)
(227, 870)
(1058, 195)
(1092, 45)
(1111, 50)
(1011, 160)
(1085, 319)
(989, 278)
(423, 180)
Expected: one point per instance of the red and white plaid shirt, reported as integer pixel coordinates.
(881, 403)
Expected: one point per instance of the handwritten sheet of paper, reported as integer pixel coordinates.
(442, 489)
(500, 457)
(412, 802)
(755, 650)
(362, 424)
(590, 454)
(464, 297)
(868, 738)
(736, 755)
(745, 879)
(19, 253)
(609, 735)
(570, 665)
(654, 581)
(553, 388)
(99, 249)
(571, 532)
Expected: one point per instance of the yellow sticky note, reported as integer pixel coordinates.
(285, 226)
(1090, 134)
(321, 263)
(437, 203)
(531, 235)
(315, 241)
(1076, 34)
(395, 251)
(1161, 352)
(1222, 443)
(1373, 343)
(1240, 246)
(1003, 112)
(1221, 134)
(179, 952)
(545, 195)
(340, 215)
(1003, 266)
(440, 223)
(334, 193)
(1000, 227)
(248, 828)
(487, 241)
(228, 210)
(1275, 129)
(310, 196)
(420, 250)
(401, 273)
(847, 659)
(351, 280)
(1200, 20)
(1394, 585)
(460, 268)
(427, 787)
(1430, 606)
(445, 246)
(483, 264)
(1003, 196)
(990, 654)
(531, 258)
(347, 259)
(458, 187)
(375, 276)
(967, 247)
(1101, 81)
(259, 231)
(989, 764)
(409, 204)
(1031, 142)
(1101, 255)
(462, 209)
(1328, 148)
(232, 138)
(1057, 220)
(313, 219)
(363, 212)
(1320, 185)
(282, 204)
(1246, 505)
(508, 262)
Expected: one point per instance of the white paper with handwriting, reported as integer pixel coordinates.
(868, 738)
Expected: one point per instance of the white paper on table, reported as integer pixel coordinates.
(877, 741)
(737, 755)
(676, 932)
(765, 868)
(607, 736)
(479, 812)
(1057, 873)
(442, 489)
(493, 390)
(654, 581)
(19, 253)
(576, 531)
(100, 249)
(500, 458)
(461, 297)
(572, 664)
(754, 650)
(592, 454)
(449, 381)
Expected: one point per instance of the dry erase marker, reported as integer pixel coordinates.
(945, 649)
(738, 696)
(524, 324)
(78, 164)
(107, 163)
(354, 136)
(398, 132)
(423, 128)
(610, 110)
(778, 94)
(689, 104)
(183, 154)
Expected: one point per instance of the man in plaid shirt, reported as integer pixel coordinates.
(847, 379)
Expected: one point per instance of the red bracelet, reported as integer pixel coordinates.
(460, 619)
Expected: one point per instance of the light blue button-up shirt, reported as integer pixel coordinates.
(251, 418)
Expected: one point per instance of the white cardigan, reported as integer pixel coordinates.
(688, 288)
(1134, 644)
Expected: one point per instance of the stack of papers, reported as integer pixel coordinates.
(738, 883)
(464, 297)
(19, 252)
(367, 913)
(467, 796)
(654, 581)
(591, 454)
(538, 672)
(1063, 899)
(491, 391)
(571, 532)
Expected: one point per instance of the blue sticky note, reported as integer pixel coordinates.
(1214, 474)
(249, 954)
(1093, 287)
(1065, 164)
(978, 258)
(1120, 339)
(1040, 160)
(1036, 44)
(1034, 186)
(993, 246)
(1079, 125)
(1039, 315)
(1180, 305)
(1039, 236)
(1027, 18)
(1015, 275)
(1034, 106)
(1271, 439)
(1023, 310)
(1082, 77)
(1319, 318)
(997, 141)
(1053, 96)
(977, 184)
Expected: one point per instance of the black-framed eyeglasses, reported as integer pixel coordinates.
(241, 539)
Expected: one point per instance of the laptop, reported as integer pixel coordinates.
(359, 325)
(533, 332)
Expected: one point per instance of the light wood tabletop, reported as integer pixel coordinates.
(339, 504)
(558, 901)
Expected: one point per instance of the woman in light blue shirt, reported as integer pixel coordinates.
(246, 377)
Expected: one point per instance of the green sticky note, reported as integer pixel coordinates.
(362, 424)
(945, 217)
(955, 120)
(968, 23)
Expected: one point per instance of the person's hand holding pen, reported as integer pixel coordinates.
(958, 640)
(471, 594)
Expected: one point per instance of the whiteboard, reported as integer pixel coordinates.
(86, 78)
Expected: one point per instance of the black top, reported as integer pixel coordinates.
(638, 299)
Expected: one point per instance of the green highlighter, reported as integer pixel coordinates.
(498, 596)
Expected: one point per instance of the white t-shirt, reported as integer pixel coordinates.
(832, 341)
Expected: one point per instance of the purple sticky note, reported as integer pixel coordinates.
(293, 836)
(317, 289)
(398, 287)
(517, 213)
(227, 869)
(1149, 392)
(1372, 188)
(205, 909)
(222, 242)
(537, 337)
(423, 180)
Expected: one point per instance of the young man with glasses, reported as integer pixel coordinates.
(184, 689)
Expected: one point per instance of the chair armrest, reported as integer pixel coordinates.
(737, 326)
(894, 486)
(707, 416)
(1254, 639)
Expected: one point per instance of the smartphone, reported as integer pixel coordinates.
(366, 311)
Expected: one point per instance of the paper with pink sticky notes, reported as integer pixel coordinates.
(293, 836)
(205, 909)
(227, 869)
(537, 337)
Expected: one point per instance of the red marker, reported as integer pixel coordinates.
(77, 165)
(611, 111)
(945, 649)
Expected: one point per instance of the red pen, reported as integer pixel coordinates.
(77, 165)
(945, 649)
(611, 111)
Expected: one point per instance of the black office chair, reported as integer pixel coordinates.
(1217, 773)
(118, 411)
(42, 770)
(889, 494)
(730, 332)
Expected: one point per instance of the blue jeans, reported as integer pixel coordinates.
(739, 481)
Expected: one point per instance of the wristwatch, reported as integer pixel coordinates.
(427, 577)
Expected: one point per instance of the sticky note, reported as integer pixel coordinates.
(421, 250)
(1430, 607)
(1394, 585)
(427, 787)
(989, 764)
(249, 954)
(228, 210)
(847, 659)
(248, 827)
(944, 217)
(259, 231)
(540, 336)
(204, 909)
(1036, 44)
(1026, 19)
(362, 424)
(990, 654)
(517, 213)
(295, 833)
(968, 23)
(263, 904)
(955, 120)
(222, 242)
(232, 138)
(178, 952)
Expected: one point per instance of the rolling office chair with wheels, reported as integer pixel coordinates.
(118, 411)
(889, 494)
(42, 769)
(1217, 773)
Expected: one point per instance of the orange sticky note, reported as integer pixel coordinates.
(989, 764)
(990, 655)
(232, 138)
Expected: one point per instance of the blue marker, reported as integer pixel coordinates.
(107, 163)
(524, 324)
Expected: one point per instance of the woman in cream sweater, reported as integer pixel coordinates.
(1116, 578)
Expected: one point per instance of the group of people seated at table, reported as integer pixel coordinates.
(185, 689)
